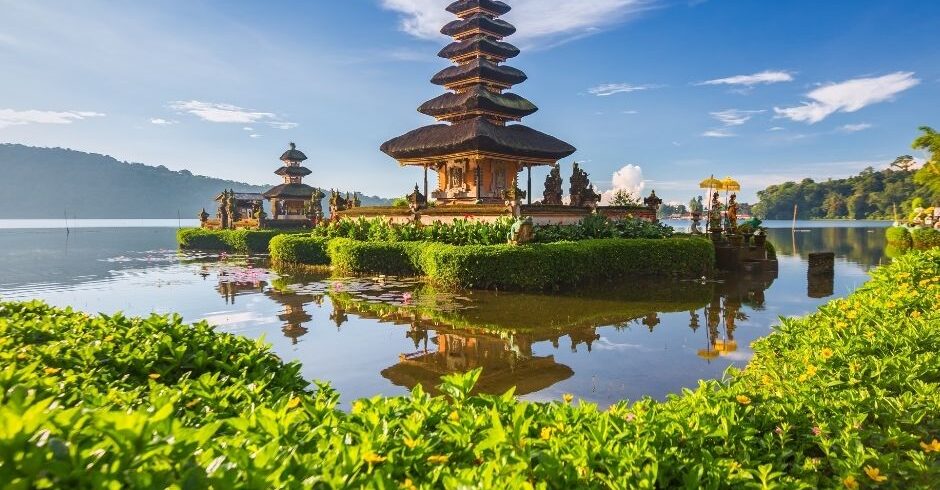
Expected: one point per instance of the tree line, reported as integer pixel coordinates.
(873, 194)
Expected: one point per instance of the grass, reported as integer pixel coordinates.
(848, 397)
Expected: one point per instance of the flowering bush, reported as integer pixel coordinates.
(845, 398)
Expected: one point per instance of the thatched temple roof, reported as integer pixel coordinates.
(494, 7)
(293, 155)
(290, 191)
(480, 135)
(478, 109)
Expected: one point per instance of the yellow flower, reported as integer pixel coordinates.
(850, 482)
(933, 447)
(22, 356)
(51, 370)
(875, 474)
(373, 458)
(852, 315)
(454, 416)
(567, 397)
(744, 399)
(766, 380)
(109, 338)
(438, 459)
(411, 443)
(293, 403)
(826, 353)
(811, 370)
(915, 314)
(408, 485)
(356, 407)
(154, 376)
(546, 433)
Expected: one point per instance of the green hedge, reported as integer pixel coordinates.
(845, 398)
(242, 241)
(299, 249)
(395, 258)
(531, 267)
(899, 236)
(925, 238)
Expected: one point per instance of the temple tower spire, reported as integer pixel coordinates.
(477, 150)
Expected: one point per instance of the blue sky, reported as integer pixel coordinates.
(761, 90)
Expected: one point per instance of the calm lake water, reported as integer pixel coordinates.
(370, 336)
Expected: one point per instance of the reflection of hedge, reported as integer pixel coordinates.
(299, 249)
(844, 398)
(532, 267)
(899, 236)
(925, 238)
(243, 241)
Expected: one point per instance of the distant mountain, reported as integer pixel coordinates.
(47, 182)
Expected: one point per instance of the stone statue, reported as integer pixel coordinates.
(203, 217)
(224, 216)
(356, 203)
(232, 209)
(653, 202)
(553, 183)
(714, 215)
(522, 231)
(582, 192)
(696, 222)
(732, 215)
(338, 203)
(316, 205)
(417, 200)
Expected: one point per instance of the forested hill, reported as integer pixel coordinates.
(871, 194)
(47, 182)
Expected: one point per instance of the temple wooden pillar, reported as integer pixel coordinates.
(529, 190)
(426, 195)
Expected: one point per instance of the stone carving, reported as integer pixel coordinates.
(203, 216)
(714, 214)
(582, 192)
(522, 231)
(696, 222)
(731, 223)
(316, 205)
(337, 203)
(653, 202)
(553, 183)
(417, 200)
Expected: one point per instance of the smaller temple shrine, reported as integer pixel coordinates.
(291, 201)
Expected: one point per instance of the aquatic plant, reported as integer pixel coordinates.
(844, 398)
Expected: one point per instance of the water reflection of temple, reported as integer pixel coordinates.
(294, 315)
(726, 309)
(507, 359)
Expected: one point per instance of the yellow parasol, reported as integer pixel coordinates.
(729, 184)
(711, 183)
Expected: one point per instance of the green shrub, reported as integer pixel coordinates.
(841, 398)
(899, 235)
(599, 227)
(925, 238)
(299, 249)
(242, 241)
(531, 267)
(358, 257)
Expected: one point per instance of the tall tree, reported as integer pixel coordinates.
(929, 175)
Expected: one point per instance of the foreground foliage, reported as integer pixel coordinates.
(848, 397)
(919, 238)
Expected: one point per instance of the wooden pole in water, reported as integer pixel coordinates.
(179, 220)
(66, 214)
(795, 210)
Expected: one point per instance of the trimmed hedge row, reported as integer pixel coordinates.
(299, 249)
(242, 241)
(531, 267)
(845, 398)
(920, 238)
(925, 238)
(899, 236)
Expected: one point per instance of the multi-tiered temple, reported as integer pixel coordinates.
(291, 200)
(477, 151)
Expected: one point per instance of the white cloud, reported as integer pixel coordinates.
(764, 77)
(735, 117)
(631, 112)
(254, 135)
(849, 96)
(777, 128)
(718, 133)
(630, 179)
(535, 19)
(228, 113)
(163, 122)
(854, 128)
(246, 128)
(607, 89)
(10, 117)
